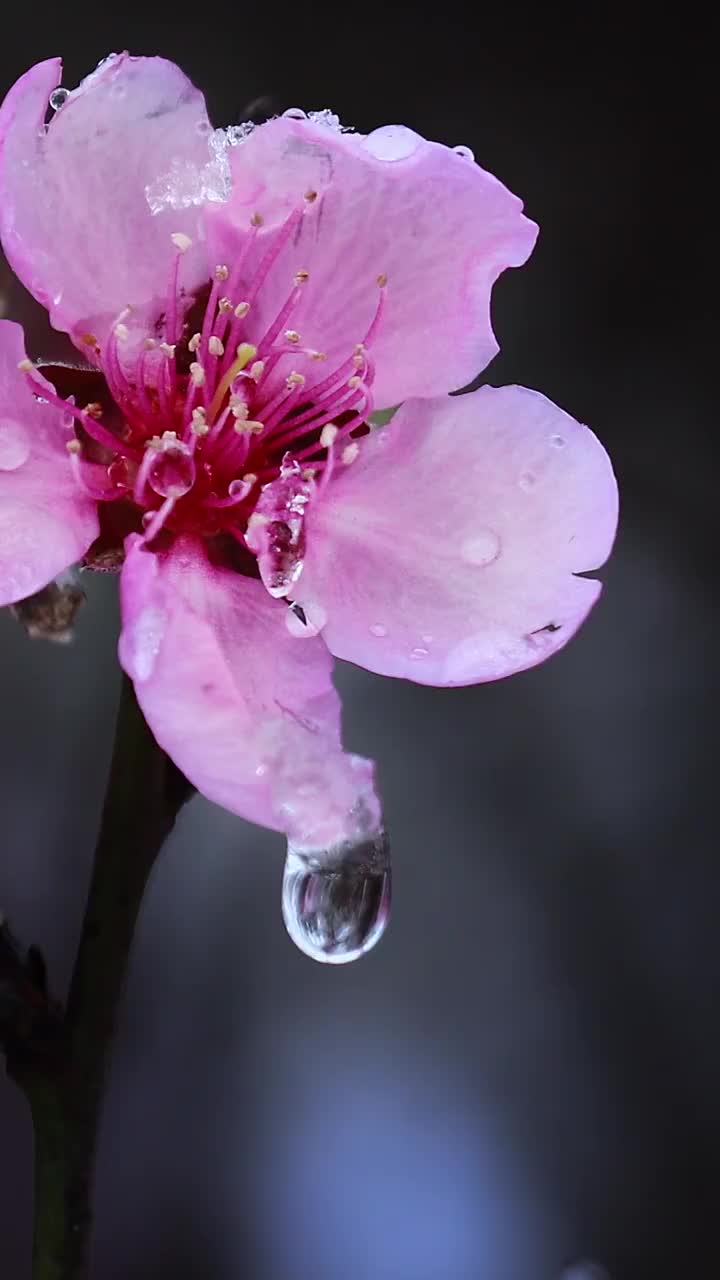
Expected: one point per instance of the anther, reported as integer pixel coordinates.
(122, 333)
(224, 306)
(382, 280)
(199, 426)
(292, 335)
(242, 309)
(222, 273)
(215, 346)
(194, 343)
(167, 348)
(295, 380)
(328, 435)
(181, 241)
(197, 374)
(26, 366)
(354, 382)
(301, 277)
(94, 410)
(257, 370)
(310, 196)
(150, 344)
(73, 446)
(256, 220)
(350, 453)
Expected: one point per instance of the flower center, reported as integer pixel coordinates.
(212, 437)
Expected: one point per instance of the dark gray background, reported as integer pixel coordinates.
(524, 1074)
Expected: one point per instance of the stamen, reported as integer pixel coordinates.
(181, 241)
(215, 346)
(245, 353)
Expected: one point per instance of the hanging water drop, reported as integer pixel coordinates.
(465, 153)
(295, 113)
(58, 98)
(336, 902)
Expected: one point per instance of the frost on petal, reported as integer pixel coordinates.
(74, 218)
(391, 205)
(248, 713)
(448, 552)
(46, 523)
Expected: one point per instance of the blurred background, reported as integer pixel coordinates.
(520, 1083)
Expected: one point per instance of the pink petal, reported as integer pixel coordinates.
(432, 221)
(247, 712)
(46, 523)
(446, 552)
(74, 218)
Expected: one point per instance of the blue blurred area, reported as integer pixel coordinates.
(521, 1082)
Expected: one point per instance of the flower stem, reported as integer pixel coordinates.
(64, 1075)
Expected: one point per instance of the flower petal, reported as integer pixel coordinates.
(446, 552)
(74, 218)
(46, 522)
(428, 218)
(248, 713)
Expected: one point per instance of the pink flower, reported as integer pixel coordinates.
(245, 300)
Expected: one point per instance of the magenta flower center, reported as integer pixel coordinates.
(211, 437)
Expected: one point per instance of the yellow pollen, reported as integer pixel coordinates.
(294, 380)
(90, 340)
(301, 277)
(242, 309)
(292, 335)
(256, 220)
(247, 426)
(221, 273)
(197, 373)
(328, 435)
(318, 355)
(250, 479)
(245, 353)
(382, 279)
(350, 453)
(181, 241)
(224, 306)
(73, 446)
(194, 343)
(215, 346)
(354, 382)
(26, 366)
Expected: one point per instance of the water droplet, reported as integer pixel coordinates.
(328, 120)
(295, 113)
(392, 142)
(482, 548)
(419, 653)
(464, 152)
(58, 98)
(377, 629)
(305, 620)
(122, 473)
(14, 444)
(140, 643)
(172, 473)
(527, 481)
(276, 531)
(336, 902)
(558, 442)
